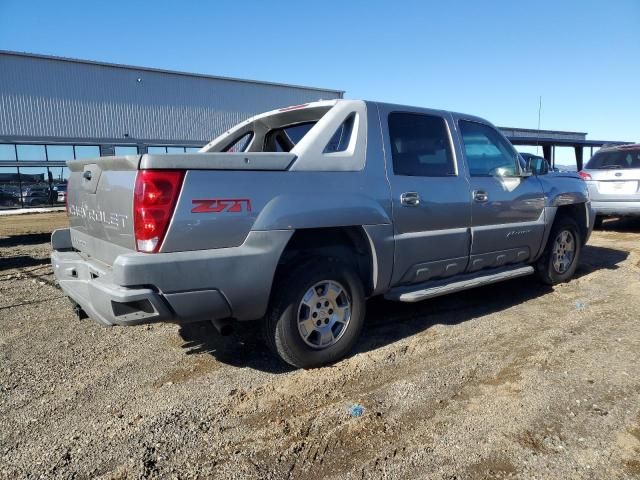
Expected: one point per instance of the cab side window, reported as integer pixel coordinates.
(420, 145)
(488, 153)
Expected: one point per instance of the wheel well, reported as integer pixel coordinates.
(579, 213)
(349, 244)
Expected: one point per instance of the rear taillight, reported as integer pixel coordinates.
(584, 175)
(154, 199)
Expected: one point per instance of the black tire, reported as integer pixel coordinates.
(280, 327)
(546, 267)
(597, 223)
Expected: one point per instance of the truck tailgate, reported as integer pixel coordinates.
(100, 205)
(101, 197)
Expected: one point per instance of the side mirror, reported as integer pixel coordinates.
(537, 166)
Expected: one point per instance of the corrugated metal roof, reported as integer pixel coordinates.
(161, 70)
(43, 96)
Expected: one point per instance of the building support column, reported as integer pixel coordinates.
(579, 156)
(546, 153)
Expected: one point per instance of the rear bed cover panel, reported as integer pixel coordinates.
(219, 161)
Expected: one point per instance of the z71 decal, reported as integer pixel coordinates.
(218, 205)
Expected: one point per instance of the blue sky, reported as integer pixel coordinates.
(492, 59)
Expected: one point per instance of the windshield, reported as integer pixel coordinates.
(615, 159)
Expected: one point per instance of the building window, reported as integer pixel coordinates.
(59, 174)
(35, 187)
(59, 179)
(125, 150)
(87, 151)
(175, 149)
(9, 186)
(156, 149)
(31, 153)
(60, 152)
(7, 152)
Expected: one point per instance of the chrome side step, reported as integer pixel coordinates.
(416, 293)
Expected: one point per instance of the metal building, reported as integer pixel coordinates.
(55, 109)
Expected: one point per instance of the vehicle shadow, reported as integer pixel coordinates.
(8, 262)
(388, 322)
(244, 348)
(24, 239)
(622, 225)
(21, 261)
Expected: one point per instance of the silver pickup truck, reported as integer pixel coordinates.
(298, 215)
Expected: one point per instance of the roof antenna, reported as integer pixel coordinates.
(539, 111)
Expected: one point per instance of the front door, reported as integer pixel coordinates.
(508, 205)
(431, 198)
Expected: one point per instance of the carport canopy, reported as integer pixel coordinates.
(549, 139)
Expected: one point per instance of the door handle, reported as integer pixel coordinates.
(410, 199)
(480, 196)
(87, 175)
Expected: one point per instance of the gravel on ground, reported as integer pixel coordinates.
(513, 380)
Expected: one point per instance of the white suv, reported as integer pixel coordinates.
(613, 178)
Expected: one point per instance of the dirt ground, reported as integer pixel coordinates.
(514, 380)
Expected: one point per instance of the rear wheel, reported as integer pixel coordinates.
(562, 253)
(316, 313)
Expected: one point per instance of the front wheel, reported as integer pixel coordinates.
(562, 253)
(597, 224)
(316, 313)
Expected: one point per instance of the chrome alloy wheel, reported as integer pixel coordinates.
(324, 314)
(564, 250)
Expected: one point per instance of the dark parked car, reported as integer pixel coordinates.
(542, 163)
(37, 195)
(8, 199)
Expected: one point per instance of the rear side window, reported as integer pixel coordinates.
(283, 139)
(340, 140)
(488, 153)
(615, 159)
(241, 144)
(420, 145)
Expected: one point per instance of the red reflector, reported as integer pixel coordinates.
(154, 199)
(584, 175)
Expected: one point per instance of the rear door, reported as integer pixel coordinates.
(431, 200)
(507, 207)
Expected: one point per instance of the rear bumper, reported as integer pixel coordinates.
(92, 288)
(173, 287)
(616, 208)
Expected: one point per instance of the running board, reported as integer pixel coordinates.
(416, 293)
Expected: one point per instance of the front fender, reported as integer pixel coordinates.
(564, 190)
